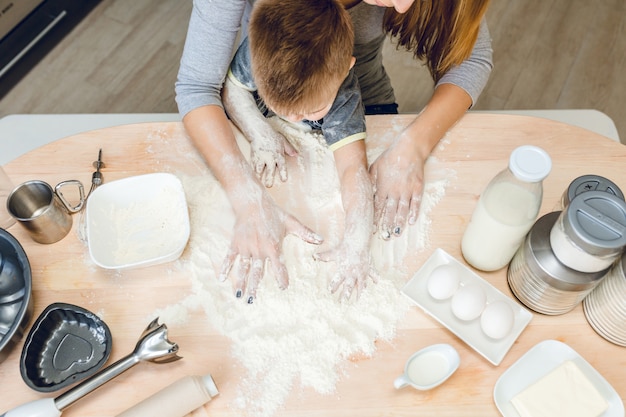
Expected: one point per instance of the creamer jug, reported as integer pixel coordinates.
(506, 210)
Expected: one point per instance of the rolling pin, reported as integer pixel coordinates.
(177, 399)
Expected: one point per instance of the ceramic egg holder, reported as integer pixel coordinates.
(467, 305)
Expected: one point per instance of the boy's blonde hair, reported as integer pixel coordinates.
(301, 52)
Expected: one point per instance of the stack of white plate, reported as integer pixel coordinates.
(605, 306)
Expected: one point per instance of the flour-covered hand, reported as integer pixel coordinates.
(268, 149)
(353, 268)
(398, 178)
(255, 247)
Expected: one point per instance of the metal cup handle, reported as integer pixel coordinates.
(67, 204)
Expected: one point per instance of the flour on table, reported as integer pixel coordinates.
(301, 336)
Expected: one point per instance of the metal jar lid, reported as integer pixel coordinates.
(543, 263)
(595, 221)
(591, 182)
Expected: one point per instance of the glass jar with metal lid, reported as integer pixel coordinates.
(605, 306)
(590, 233)
(540, 281)
(589, 182)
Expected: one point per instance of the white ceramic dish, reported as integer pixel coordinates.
(137, 221)
(469, 331)
(540, 360)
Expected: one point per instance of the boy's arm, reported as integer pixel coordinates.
(352, 256)
(268, 147)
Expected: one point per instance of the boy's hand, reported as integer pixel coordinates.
(353, 269)
(267, 153)
(267, 147)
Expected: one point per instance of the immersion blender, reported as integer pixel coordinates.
(153, 346)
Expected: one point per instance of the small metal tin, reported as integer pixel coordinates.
(590, 232)
(590, 182)
(66, 344)
(540, 281)
(605, 306)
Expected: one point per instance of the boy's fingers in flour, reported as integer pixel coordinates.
(282, 171)
(294, 227)
(268, 175)
(348, 287)
(335, 283)
(227, 265)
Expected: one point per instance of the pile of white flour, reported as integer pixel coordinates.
(300, 336)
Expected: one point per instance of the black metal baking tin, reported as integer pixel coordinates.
(16, 302)
(66, 344)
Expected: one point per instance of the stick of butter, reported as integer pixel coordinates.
(565, 391)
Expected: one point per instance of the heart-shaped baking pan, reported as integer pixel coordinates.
(66, 344)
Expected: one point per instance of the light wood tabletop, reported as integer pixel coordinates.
(471, 153)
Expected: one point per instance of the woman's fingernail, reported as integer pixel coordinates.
(386, 235)
(250, 300)
(397, 230)
(238, 294)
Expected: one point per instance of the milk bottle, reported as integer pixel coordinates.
(506, 210)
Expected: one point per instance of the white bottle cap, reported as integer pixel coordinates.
(529, 163)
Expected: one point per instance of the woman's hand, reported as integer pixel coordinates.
(398, 177)
(259, 231)
(398, 173)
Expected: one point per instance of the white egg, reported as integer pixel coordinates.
(468, 302)
(497, 319)
(443, 282)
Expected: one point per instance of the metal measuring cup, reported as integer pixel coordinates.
(43, 211)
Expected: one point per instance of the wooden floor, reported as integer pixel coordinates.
(548, 54)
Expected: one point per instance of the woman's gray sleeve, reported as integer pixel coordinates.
(473, 73)
(209, 46)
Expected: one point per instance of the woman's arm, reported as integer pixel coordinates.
(260, 225)
(398, 173)
(211, 36)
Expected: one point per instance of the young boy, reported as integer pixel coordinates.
(297, 64)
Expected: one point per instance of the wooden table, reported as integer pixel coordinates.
(476, 148)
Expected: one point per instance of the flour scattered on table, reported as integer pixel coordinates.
(301, 336)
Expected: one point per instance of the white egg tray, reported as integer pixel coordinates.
(470, 331)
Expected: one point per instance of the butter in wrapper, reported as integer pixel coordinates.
(565, 391)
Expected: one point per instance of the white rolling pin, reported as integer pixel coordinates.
(177, 399)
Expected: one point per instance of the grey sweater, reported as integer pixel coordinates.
(212, 34)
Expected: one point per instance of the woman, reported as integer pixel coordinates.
(447, 34)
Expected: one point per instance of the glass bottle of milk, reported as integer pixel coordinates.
(506, 210)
